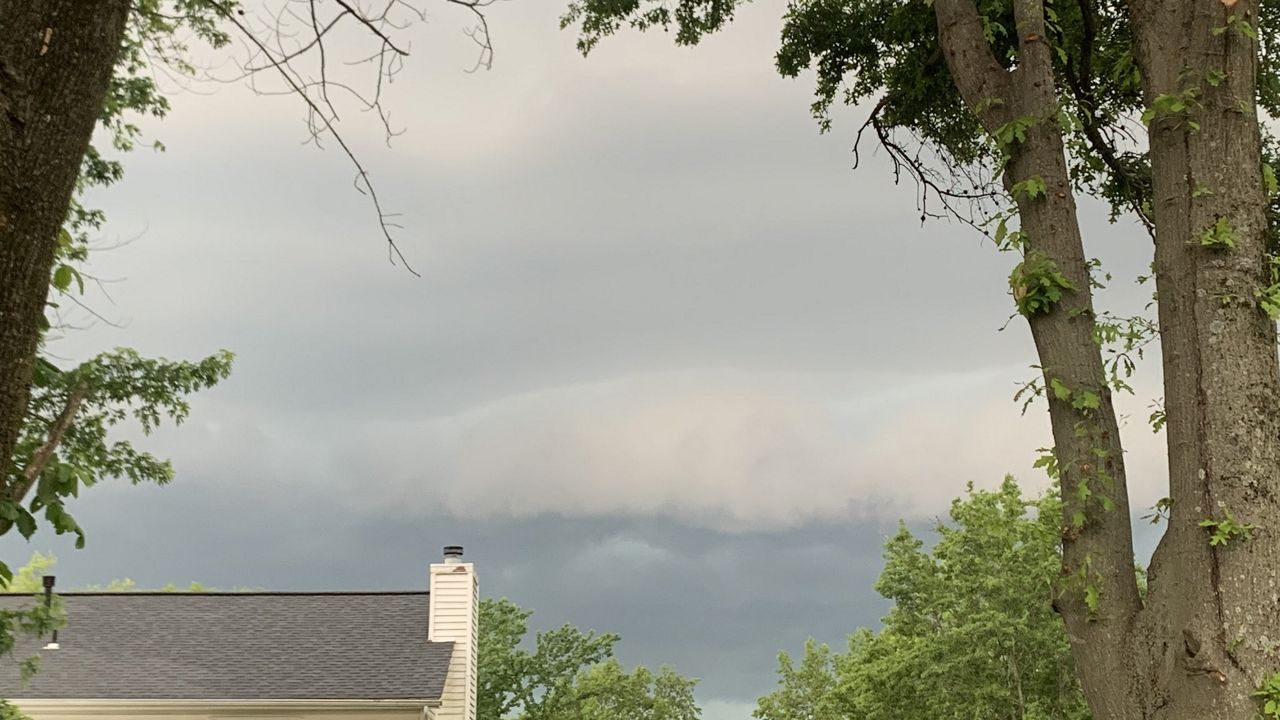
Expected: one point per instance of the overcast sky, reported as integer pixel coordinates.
(672, 368)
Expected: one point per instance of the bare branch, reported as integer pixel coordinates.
(962, 195)
(322, 114)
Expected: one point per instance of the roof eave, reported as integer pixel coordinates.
(49, 707)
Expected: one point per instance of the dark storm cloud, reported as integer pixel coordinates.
(655, 583)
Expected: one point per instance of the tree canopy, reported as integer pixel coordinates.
(971, 632)
(567, 674)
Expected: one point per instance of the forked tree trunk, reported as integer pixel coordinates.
(56, 61)
(1212, 630)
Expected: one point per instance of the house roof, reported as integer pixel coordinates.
(235, 646)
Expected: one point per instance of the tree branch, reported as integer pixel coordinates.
(982, 81)
(40, 460)
(1080, 83)
(323, 120)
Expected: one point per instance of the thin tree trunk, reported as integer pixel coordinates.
(56, 61)
(1213, 622)
(1098, 594)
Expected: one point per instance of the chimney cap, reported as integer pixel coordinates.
(452, 553)
(49, 580)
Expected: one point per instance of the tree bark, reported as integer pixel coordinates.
(1210, 632)
(1213, 619)
(56, 62)
(1097, 594)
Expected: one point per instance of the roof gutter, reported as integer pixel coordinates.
(52, 707)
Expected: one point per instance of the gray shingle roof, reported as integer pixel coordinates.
(236, 646)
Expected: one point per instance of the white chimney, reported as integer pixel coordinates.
(453, 617)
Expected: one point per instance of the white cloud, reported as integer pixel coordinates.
(730, 451)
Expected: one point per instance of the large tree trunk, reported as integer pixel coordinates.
(56, 61)
(1210, 632)
(1097, 594)
(1213, 622)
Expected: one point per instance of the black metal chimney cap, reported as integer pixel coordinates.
(49, 580)
(452, 551)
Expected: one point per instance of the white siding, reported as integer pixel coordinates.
(455, 600)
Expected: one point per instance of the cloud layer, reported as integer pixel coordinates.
(663, 337)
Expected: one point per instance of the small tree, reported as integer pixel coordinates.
(569, 674)
(970, 634)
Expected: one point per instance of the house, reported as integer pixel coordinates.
(260, 655)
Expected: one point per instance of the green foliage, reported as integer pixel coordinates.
(569, 673)
(971, 633)
(1082, 400)
(1226, 530)
(1269, 696)
(27, 580)
(33, 621)
(806, 691)
(1219, 236)
(1014, 133)
(157, 36)
(1048, 461)
(887, 50)
(1179, 108)
(1004, 238)
(1269, 297)
(608, 692)
(1159, 511)
(1037, 284)
(692, 18)
(112, 388)
(1238, 25)
(1031, 188)
(1124, 341)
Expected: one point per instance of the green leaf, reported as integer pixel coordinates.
(62, 278)
(1091, 597)
(26, 524)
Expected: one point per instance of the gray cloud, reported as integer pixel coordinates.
(665, 340)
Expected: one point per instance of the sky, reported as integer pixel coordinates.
(672, 369)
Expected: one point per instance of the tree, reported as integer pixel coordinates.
(65, 443)
(68, 66)
(570, 675)
(1003, 110)
(807, 692)
(51, 94)
(970, 633)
